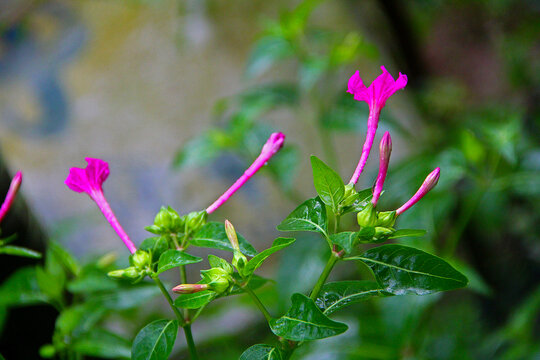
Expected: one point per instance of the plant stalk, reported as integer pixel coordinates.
(258, 302)
(334, 257)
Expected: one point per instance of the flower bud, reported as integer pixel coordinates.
(386, 218)
(195, 220)
(367, 217)
(382, 232)
(429, 183)
(239, 261)
(189, 288)
(350, 196)
(217, 279)
(385, 150)
(231, 234)
(130, 273)
(167, 221)
(140, 259)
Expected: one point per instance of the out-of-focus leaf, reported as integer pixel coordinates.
(174, 258)
(200, 150)
(261, 352)
(346, 115)
(345, 240)
(267, 51)
(270, 96)
(304, 321)
(401, 270)
(102, 344)
(127, 298)
(155, 341)
(78, 319)
(407, 233)
(328, 183)
(258, 259)
(21, 288)
(338, 295)
(309, 216)
(63, 257)
(19, 251)
(196, 300)
(284, 165)
(91, 282)
(212, 235)
(311, 71)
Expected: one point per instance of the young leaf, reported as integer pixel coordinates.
(337, 295)
(174, 258)
(212, 235)
(406, 233)
(266, 52)
(155, 341)
(304, 321)
(102, 344)
(309, 216)
(261, 352)
(19, 251)
(345, 240)
(401, 270)
(196, 300)
(258, 259)
(21, 288)
(328, 183)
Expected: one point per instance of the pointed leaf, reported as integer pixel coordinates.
(401, 270)
(19, 251)
(155, 341)
(304, 321)
(406, 233)
(261, 352)
(337, 295)
(196, 300)
(212, 235)
(328, 183)
(309, 216)
(345, 240)
(258, 259)
(174, 258)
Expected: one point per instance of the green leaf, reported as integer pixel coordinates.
(155, 341)
(198, 151)
(174, 258)
(21, 288)
(266, 52)
(102, 344)
(196, 300)
(406, 233)
(19, 251)
(212, 235)
(261, 352)
(63, 257)
(345, 240)
(345, 115)
(337, 295)
(309, 216)
(304, 321)
(217, 262)
(255, 282)
(78, 319)
(127, 298)
(157, 245)
(258, 259)
(401, 270)
(328, 183)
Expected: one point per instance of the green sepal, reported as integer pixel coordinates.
(217, 262)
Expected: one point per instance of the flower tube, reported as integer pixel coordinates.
(429, 183)
(11, 194)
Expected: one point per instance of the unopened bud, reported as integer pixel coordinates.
(385, 150)
(140, 259)
(239, 261)
(367, 217)
(217, 279)
(190, 288)
(429, 183)
(195, 220)
(386, 218)
(231, 234)
(130, 273)
(273, 144)
(167, 221)
(106, 260)
(382, 232)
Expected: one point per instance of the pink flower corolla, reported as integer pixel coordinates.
(375, 96)
(90, 180)
(429, 183)
(270, 148)
(385, 149)
(11, 194)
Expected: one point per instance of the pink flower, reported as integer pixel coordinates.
(429, 183)
(10, 197)
(90, 180)
(375, 95)
(385, 149)
(270, 148)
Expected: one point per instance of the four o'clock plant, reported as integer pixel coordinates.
(395, 269)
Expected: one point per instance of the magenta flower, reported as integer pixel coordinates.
(385, 149)
(90, 180)
(429, 183)
(272, 146)
(10, 197)
(375, 95)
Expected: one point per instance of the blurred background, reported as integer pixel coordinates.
(179, 96)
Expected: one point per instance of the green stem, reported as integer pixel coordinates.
(190, 342)
(334, 257)
(169, 299)
(258, 302)
(183, 277)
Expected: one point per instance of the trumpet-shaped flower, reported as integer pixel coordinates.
(270, 148)
(429, 183)
(90, 180)
(375, 96)
(10, 197)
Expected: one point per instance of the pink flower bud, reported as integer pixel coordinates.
(270, 148)
(375, 96)
(231, 234)
(90, 181)
(190, 288)
(429, 183)
(385, 149)
(11, 194)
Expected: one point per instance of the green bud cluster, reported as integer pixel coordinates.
(140, 261)
(218, 279)
(167, 222)
(382, 222)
